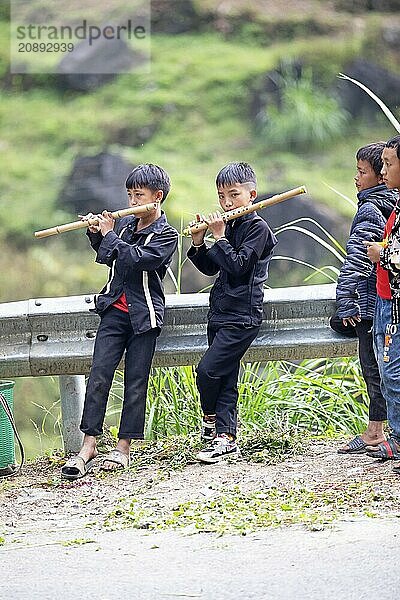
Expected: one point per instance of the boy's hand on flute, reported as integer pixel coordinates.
(106, 222)
(92, 228)
(216, 225)
(197, 236)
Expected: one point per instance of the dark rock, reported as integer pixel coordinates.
(174, 16)
(298, 245)
(96, 183)
(385, 5)
(360, 6)
(391, 36)
(384, 83)
(129, 134)
(91, 66)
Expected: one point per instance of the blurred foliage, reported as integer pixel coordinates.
(307, 117)
(197, 84)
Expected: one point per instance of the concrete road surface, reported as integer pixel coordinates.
(352, 560)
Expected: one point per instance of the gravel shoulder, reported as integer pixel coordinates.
(37, 507)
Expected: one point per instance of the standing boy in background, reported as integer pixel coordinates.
(387, 311)
(131, 308)
(240, 255)
(356, 286)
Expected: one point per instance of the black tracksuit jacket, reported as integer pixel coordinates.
(241, 259)
(138, 263)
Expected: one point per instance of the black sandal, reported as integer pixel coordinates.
(388, 450)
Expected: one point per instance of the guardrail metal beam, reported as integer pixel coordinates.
(55, 336)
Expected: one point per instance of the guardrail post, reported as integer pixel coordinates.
(72, 392)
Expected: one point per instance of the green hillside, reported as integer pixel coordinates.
(197, 102)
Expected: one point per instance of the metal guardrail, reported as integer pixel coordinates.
(55, 336)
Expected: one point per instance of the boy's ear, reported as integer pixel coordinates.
(159, 195)
(253, 194)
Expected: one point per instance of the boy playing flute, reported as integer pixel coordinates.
(240, 255)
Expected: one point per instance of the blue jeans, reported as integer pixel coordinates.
(387, 350)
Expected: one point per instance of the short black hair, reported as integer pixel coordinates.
(394, 142)
(236, 172)
(372, 153)
(149, 176)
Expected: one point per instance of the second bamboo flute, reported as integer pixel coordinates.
(244, 210)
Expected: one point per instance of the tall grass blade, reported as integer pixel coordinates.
(349, 200)
(317, 270)
(374, 97)
(314, 222)
(314, 237)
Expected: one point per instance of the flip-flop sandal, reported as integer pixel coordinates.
(76, 468)
(117, 457)
(386, 451)
(355, 446)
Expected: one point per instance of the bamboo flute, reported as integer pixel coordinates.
(244, 210)
(124, 212)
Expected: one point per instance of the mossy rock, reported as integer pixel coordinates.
(362, 6)
(384, 83)
(175, 16)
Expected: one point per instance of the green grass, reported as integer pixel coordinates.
(279, 403)
(239, 512)
(197, 99)
(322, 397)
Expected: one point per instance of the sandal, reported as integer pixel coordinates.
(117, 457)
(355, 446)
(388, 450)
(76, 468)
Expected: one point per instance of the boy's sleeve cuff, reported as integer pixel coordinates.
(106, 247)
(109, 237)
(195, 250)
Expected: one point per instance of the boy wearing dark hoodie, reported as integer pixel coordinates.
(356, 286)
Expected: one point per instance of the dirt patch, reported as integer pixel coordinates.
(336, 486)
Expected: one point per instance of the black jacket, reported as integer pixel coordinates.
(242, 261)
(138, 262)
(356, 285)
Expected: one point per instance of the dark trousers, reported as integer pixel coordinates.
(369, 365)
(370, 370)
(115, 335)
(218, 371)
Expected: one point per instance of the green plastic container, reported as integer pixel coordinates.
(7, 447)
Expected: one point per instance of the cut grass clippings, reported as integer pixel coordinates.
(264, 446)
(238, 512)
